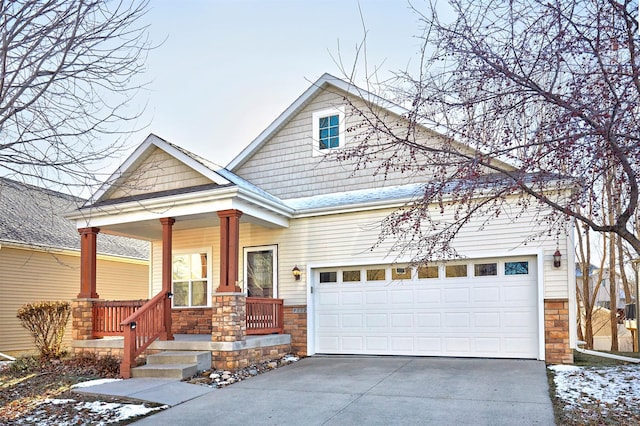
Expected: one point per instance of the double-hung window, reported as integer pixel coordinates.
(190, 280)
(328, 130)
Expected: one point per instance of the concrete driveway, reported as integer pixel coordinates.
(340, 390)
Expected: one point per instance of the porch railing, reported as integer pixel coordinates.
(140, 329)
(264, 315)
(108, 316)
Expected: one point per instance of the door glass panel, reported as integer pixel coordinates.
(260, 273)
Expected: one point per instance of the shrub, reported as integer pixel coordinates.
(46, 322)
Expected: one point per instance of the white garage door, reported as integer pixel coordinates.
(481, 308)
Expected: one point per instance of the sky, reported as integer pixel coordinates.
(226, 69)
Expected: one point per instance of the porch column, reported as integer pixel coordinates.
(88, 240)
(229, 246)
(167, 269)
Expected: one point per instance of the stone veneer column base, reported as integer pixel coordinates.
(556, 332)
(229, 317)
(295, 324)
(82, 319)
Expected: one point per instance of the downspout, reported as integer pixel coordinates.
(604, 354)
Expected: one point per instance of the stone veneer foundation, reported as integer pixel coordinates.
(191, 320)
(556, 332)
(295, 324)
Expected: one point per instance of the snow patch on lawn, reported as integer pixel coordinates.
(93, 383)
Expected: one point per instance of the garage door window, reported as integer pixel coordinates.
(375, 275)
(456, 271)
(516, 268)
(401, 273)
(350, 276)
(428, 272)
(485, 269)
(328, 277)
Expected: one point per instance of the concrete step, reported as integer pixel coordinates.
(165, 371)
(201, 359)
(173, 365)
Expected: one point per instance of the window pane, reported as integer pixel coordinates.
(350, 276)
(198, 266)
(485, 269)
(260, 273)
(453, 271)
(181, 267)
(333, 131)
(328, 277)
(333, 120)
(428, 272)
(375, 275)
(324, 122)
(334, 142)
(199, 293)
(401, 273)
(516, 268)
(180, 293)
(323, 144)
(324, 133)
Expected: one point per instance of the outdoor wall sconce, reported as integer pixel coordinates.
(296, 273)
(556, 258)
(170, 295)
(132, 324)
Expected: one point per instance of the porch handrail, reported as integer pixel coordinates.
(265, 315)
(108, 315)
(140, 330)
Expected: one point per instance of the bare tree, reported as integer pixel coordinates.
(535, 99)
(68, 73)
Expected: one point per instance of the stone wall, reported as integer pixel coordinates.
(556, 332)
(295, 324)
(191, 321)
(229, 360)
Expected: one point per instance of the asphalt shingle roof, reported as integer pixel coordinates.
(34, 216)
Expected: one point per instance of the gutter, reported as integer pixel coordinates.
(605, 355)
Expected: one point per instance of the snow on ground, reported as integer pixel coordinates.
(612, 390)
(93, 383)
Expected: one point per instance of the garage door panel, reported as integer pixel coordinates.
(428, 296)
(489, 316)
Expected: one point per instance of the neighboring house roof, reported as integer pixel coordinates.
(32, 216)
(592, 269)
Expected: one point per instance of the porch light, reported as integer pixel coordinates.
(132, 324)
(296, 273)
(556, 258)
(170, 295)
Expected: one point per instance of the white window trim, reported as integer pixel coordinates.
(209, 276)
(340, 112)
(246, 251)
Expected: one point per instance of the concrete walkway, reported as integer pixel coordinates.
(340, 390)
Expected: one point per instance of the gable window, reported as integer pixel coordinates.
(260, 271)
(328, 130)
(190, 280)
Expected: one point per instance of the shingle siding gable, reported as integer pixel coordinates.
(286, 167)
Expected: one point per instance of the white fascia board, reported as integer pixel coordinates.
(196, 165)
(183, 205)
(351, 208)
